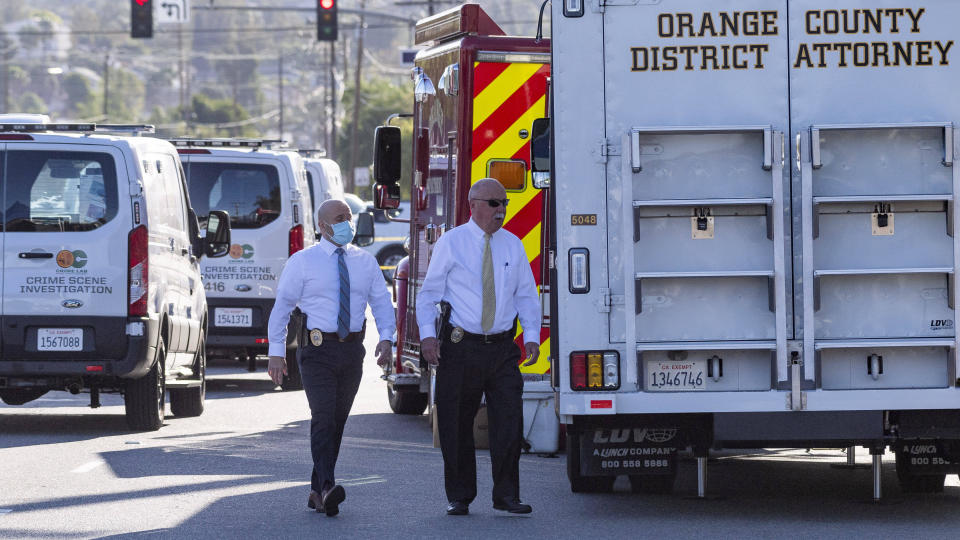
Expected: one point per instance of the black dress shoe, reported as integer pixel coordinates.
(457, 508)
(331, 500)
(314, 501)
(513, 506)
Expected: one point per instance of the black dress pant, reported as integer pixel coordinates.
(467, 371)
(331, 376)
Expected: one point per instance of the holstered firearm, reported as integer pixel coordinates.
(443, 320)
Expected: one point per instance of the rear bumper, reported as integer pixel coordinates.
(133, 362)
(232, 337)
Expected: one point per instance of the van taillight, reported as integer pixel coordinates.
(296, 239)
(578, 371)
(137, 264)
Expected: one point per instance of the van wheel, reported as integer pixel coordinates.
(579, 483)
(407, 401)
(915, 483)
(143, 399)
(652, 484)
(390, 256)
(185, 402)
(292, 380)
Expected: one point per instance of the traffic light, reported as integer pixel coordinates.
(141, 18)
(326, 20)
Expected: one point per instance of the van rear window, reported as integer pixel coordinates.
(249, 193)
(47, 191)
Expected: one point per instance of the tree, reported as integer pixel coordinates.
(379, 99)
(81, 98)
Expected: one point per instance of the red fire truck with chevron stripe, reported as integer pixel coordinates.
(477, 92)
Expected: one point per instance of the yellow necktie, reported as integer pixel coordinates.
(489, 288)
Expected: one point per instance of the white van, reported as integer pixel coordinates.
(265, 193)
(101, 276)
(324, 179)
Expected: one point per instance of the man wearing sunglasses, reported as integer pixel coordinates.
(482, 271)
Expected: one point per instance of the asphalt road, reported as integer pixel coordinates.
(242, 471)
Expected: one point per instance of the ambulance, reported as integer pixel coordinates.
(476, 94)
(756, 240)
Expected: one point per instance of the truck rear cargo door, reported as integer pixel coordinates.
(704, 266)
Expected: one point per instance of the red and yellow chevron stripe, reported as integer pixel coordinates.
(507, 97)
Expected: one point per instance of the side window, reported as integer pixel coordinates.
(53, 191)
(176, 199)
(249, 193)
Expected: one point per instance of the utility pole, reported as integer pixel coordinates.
(354, 129)
(183, 110)
(332, 89)
(106, 87)
(280, 91)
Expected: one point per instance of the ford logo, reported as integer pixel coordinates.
(71, 304)
(242, 288)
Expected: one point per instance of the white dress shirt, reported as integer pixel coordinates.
(454, 275)
(311, 280)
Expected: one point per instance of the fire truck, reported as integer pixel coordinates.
(476, 94)
(756, 240)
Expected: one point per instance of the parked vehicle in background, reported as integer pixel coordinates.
(323, 178)
(263, 188)
(387, 244)
(756, 238)
(101, 254)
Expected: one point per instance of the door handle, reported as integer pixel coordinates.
(35, 255)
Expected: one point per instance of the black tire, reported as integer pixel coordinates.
(914, 483)
(292, 380)
(188, 402)
(19, 396)
(652, 484)
(390, 256)
(579, 483)
(407, 402)
(144, 399)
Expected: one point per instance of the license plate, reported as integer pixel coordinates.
(240, 317)
(60, 339)
(668, 376)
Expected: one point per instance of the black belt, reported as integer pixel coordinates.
(482, 338)
(333, 336)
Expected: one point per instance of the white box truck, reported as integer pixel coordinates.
(756, 243)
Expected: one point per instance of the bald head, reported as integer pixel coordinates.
(332, 211)
(487, 208)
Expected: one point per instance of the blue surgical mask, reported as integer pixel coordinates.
(342, 232)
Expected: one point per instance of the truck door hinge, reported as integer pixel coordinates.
(608, 300)
(607, 148)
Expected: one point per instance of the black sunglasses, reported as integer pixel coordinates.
(495, 203)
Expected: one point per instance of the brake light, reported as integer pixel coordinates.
(261, 341)
(578, 371)
(15, 137)
(138, 266)
(595, 370)
(296, 239)
(192, 151)
(95, 368)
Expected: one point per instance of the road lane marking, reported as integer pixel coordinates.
(87, 467)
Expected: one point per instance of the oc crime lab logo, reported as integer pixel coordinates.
(71, 259)
(238, 251)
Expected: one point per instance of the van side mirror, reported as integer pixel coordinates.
(364, 236)
(540, 153)
(386, 155)
(217, 241)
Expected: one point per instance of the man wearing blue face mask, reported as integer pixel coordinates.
(332, 282)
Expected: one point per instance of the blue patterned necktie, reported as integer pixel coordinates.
(343, 317)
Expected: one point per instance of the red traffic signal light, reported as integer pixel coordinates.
(326, 20)
(141, 18)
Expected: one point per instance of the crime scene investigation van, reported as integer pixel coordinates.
(101, 279)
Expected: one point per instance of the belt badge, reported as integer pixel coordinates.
(456, 335)
(316, 337)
